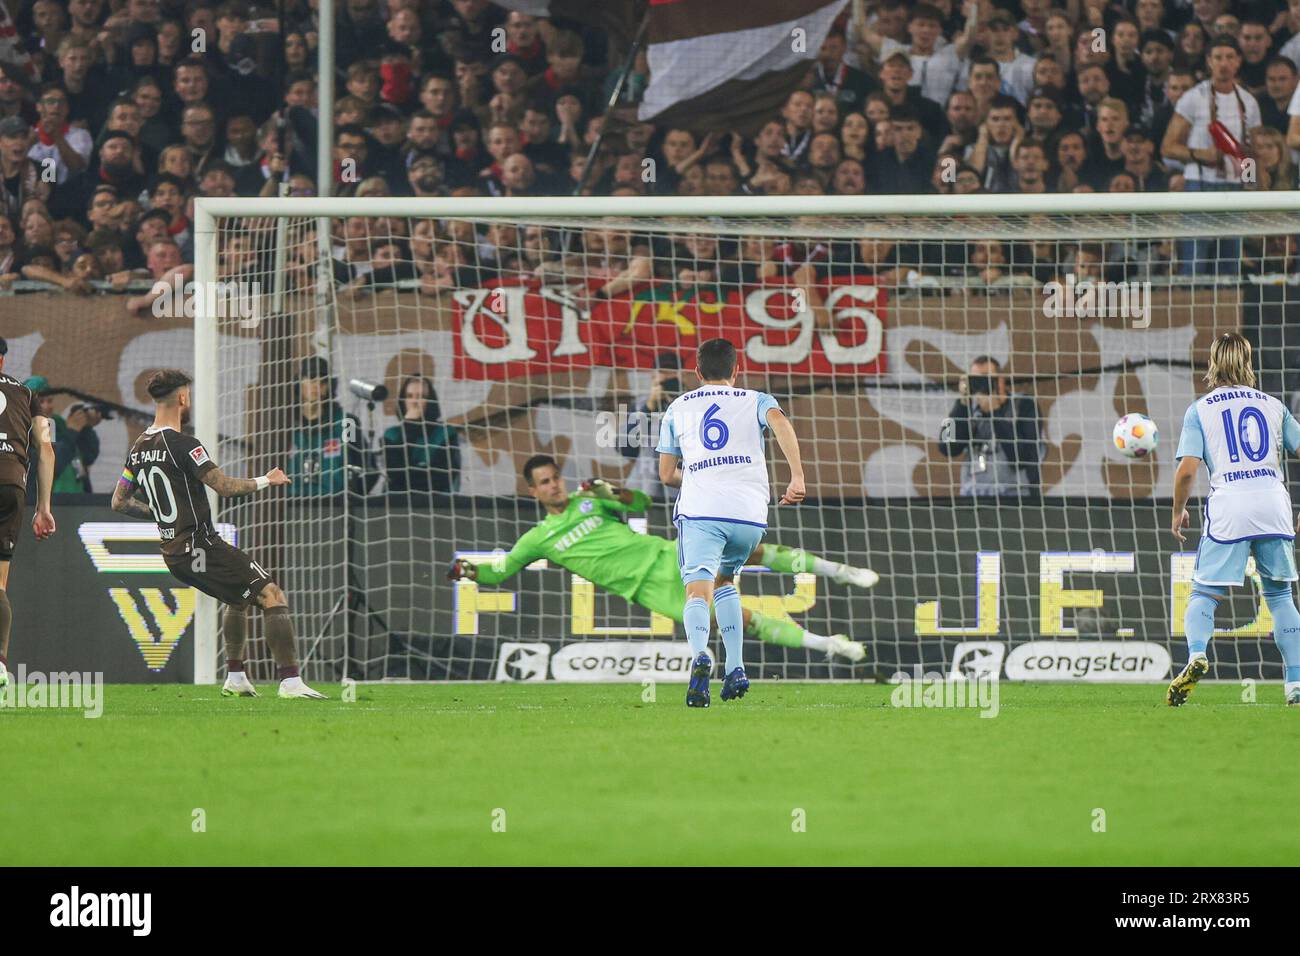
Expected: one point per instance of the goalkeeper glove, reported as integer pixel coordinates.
(460, 568)
(598, 488)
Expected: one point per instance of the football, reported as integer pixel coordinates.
(1136, 435)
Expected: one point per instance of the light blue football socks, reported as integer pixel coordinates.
(1198, 621)
(695, 618)
(731, 624)
(1286, 624)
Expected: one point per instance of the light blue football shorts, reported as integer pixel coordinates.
(1225, 563)
(709, 547)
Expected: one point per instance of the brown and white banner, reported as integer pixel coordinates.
(874, 434)
(730, 64)
(11, 46)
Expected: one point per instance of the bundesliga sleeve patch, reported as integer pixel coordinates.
(200, 455)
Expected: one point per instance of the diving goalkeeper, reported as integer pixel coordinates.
(583, 534)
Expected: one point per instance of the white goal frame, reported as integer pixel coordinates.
(208, 212)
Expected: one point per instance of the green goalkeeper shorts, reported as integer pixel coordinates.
(662, 590)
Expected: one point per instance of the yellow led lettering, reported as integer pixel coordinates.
(1054, 597)
(781, 606)
(988, 578)
(157, 651)
(582, 621)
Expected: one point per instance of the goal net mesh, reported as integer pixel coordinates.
(1006, 527)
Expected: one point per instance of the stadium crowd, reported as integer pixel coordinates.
(127, 110)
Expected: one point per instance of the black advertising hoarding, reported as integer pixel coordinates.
(1058, 590)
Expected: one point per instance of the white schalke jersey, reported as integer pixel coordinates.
(717, 432)
(1241, 434)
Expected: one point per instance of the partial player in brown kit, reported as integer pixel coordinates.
(22, 430)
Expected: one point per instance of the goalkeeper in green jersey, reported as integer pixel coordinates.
(584, 534)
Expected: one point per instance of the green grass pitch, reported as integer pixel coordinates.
(419, 774)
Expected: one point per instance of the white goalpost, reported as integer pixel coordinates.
(953, 365)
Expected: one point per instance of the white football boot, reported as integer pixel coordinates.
(294, 687)
(238, 685)
(856, 577)
(841, 646)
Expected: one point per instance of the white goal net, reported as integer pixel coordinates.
(1006, 527)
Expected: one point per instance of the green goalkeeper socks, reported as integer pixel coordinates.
(786, 633)
(778, 557)
(773, 631)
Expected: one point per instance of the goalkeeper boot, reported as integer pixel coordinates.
(4, 676)
(1182, 686)
(735, 685)
(697, 691)
(294, 687)
(840, 645)
(238, 685)
(1292, 694)
(857, 577)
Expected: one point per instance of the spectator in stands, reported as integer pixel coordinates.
(1045, 113)
(20, 177)
(855, 133)
(1124, 69)
(421, 452)
(87, 100)
(1029, 162)
(8, 253)
(67, 243)
(199, 131)
(798, 125)
(1274, 166)
(14, 100)
(1219, 99)
(147, 94)
(995, 432)
(823, 155)
(1139, 152)
(107, 247)
(988, 258)
(1105, 145)
(1256, 42)
(1157, 61)
(166, 268)
(895, 84)
(1179, 81)
(849, 179)
(991, 152)
(1015, 67)
(984, 83)
(1279, 89)
(132, 84)
(1193, 39)
(905, 167)
(846, 85)
(720, 178)
(60, 146)
(118, 165)
(169, 194)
